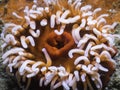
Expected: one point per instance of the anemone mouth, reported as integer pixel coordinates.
(59, 45)
(64, 43)
(57, 41)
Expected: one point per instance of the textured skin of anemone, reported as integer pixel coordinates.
(59, 44)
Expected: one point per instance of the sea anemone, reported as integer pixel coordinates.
(60, 44)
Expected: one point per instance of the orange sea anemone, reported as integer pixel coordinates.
(60, 44)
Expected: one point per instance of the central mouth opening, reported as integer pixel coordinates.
(57, 42)
(59, 45)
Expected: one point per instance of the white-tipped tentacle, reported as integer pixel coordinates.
(61, 30)
(32, 25)
(97, 32)
(100, 67)
(83, 23)
(102, 20)
(49, 61)
(33, 16)
(75, 2)
(82, 58)
(23, 66)
(15, 60)
(43, 22)
(88, 48)
(41, 9)
(57, 85)
(102, 16)
(53, 82)
(12, 51)
(35, 69)
(74, 37)
(35, 34)
(26, 40)
(86, 38)
(76, 51)
(77, 76)
(85, 14)
(69, 20)
(108, 55)
(62, 72)
(47, 10)
(65, 14)
(27, 18)
(76, 33)
(52, 21)
(48, 78)
(91, 21)
(58, 13)
(65, 85)
(26, 11)
(99, 46)
(73, 80)
(8, 25)
(96, 10)
(109, 27)
(41, 81)
(9, 38)
(16, 29)
(35, 12)
(83, 77)
(86, 8)
(77, 6)
(16, 15)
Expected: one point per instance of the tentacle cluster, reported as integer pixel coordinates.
(91, 35)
